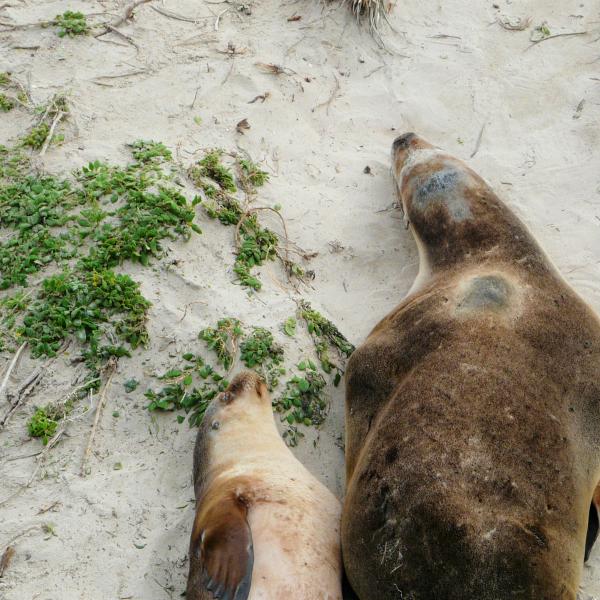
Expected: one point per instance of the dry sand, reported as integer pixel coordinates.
(449, 72)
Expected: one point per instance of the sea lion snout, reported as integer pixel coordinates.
(402, 147)
(402, 141)
(245, 384)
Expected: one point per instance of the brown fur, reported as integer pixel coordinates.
(473, 412)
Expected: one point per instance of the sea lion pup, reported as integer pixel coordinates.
(472, 409)
(265, 528)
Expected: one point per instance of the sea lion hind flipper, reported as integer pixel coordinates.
(223, 545)
(593, 524)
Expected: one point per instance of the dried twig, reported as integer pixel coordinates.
(218, 19)
(27, 387)
(10, 369)
(127, 38)
(112, 366)
(48, 508)
(59, 115)
(98, 80)
(478, 142)
(332, 97)
(51, 443)
(261, 97)
(172, 15)
(374, 71)
(555, 35)
(229, 72)
(274, 69)
(129, 11)
(5, 560)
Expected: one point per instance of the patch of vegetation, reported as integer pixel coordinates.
(44, 421)
(85, 227)
(260, 352)
(289, 327)
(190, 388)
(325, 335)
(149, 151)
(303, 401)
(91, 306)
(4, 79)
(37, 136)
(142, 222)
(6, 103)
(193, 383)
(131, 385)
(71, 23)
(223, 340)
(42, 425)
(32, 207)
(211, 167)
(257, 245)
(252, 173)
(50, 114)
(221, 206)
(19, 257)
(542, 31)
(14, 164)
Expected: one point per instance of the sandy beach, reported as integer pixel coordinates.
(525, 116)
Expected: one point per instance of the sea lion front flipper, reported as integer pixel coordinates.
(222, 542)
(593, 524)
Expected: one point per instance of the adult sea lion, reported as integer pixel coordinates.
(265, 528)
(472, 409)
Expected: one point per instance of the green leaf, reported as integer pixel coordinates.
(289, 327)
(130, 385)
(303, 385)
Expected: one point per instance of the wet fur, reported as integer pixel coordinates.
(472, 412)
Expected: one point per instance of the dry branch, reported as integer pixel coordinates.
(112, 366)
(10, 369)
(129, 13)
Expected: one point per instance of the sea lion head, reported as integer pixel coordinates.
(431, 185)
(245, 396)
(404, 147)
(452, 211)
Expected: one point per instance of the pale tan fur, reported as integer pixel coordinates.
(294, 519)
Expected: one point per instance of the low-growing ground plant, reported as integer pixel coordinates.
(83, 229)
(37, 136)
(6, 103)
(260, 352)
(46, 419)
(190, 387)
(71, 23)
(222, 339)
(289, 327)
(211, 167)
(303, 401)
(255, 244)
(326, 335)
(42, 424)
(251, 173)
